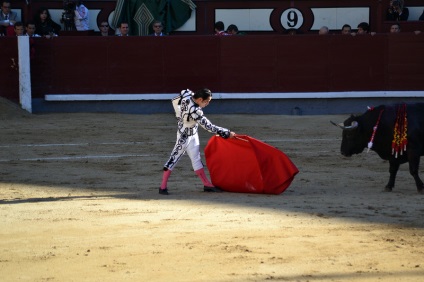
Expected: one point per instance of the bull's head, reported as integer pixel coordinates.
(352, 142)
(352, 126)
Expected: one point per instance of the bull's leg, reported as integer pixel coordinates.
(394, 166)
(414, 164)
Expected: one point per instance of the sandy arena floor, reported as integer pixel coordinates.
(79, 202)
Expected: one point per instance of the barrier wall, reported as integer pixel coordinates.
(9, 83)
(249, 64)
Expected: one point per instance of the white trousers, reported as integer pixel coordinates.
(189, 144)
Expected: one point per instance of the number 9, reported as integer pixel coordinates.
(291, 18)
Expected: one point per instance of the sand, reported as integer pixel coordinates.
(79, 202)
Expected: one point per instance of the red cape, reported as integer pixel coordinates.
(246, 165)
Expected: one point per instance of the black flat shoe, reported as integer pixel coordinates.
(212, 189)
(163, 191)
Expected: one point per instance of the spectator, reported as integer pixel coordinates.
(220, 29)
(233, 30)
(363, 28)
(157, 29)
(323, 30)
(124, 29)
(104, 28)
(7, 18)
(30, 29)
(44, 24)
(346, 29)
(19, 29)
(395, 28)
(81, 17)
(396, 11)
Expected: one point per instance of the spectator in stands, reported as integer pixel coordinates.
(395, 28)
(323, 30)
(220, 29)
(363, 28)
(346, 29)
(44, 24)
(397, 11)
(7, 18)
(124, 29)
(30, 29)
(233, 30)
(104, 28)
(157, 29)
(19, 29)
(81, 17)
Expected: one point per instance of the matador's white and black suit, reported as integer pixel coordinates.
(190, 116)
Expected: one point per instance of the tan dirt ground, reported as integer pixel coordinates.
(79, 202)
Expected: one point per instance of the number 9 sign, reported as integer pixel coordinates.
(291, 19)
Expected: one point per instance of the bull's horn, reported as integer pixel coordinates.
(342, 126)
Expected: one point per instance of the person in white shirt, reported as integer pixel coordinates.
(81, 17)
(30, 29)
(157, 28)
(124, 29)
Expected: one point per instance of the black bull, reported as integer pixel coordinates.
(358, 131)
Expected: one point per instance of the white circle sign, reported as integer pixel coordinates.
(291, 19)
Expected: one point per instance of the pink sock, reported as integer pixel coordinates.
(165, 177)
(203, 177)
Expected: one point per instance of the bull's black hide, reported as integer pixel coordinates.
(358, 133)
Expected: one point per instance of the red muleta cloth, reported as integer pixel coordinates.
(246, 165)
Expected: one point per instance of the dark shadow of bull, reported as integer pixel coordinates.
(358, 133)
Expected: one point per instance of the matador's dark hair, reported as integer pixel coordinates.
(203, 93)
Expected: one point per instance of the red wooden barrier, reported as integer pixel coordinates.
(245, 64)
(9, 82)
